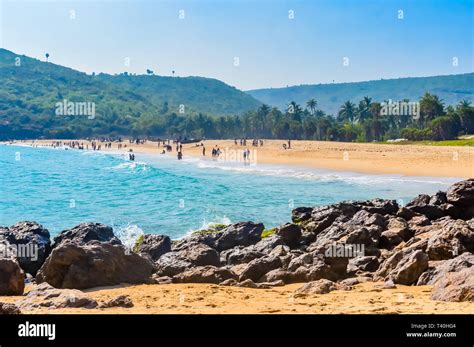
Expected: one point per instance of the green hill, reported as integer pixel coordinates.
(30, 90)
(330, 97)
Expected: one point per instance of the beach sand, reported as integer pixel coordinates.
(209, 299)
(408, 160)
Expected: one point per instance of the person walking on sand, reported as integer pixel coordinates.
(204, 151)
(289, 144)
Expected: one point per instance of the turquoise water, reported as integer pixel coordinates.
(158, 194)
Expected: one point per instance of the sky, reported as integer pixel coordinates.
(248, 44)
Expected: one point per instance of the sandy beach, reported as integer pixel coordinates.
(213, 299)
(408, 160)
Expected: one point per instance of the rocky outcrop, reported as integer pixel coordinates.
(30, 243)
(321, 286)
(428, 241)
(12, 280)
(72, 265)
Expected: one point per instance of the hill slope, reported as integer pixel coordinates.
(330, 97)
(30, 90)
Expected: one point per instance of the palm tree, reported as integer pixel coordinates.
(347, 111)
(312, 104)
(47, 56)
(463, 104)
(363, 111)
(431, 106)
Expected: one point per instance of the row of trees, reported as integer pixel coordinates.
(365, 121)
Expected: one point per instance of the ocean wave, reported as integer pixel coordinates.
(205, 224)
(129, 234)
(319, 175)
(137, 166)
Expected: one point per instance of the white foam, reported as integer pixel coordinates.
(129, 234)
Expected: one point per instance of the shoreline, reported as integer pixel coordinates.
(362, 158)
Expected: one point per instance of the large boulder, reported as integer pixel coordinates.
(86, 232)
(71, 265)
(154, 246)
(240, 234)
(455, 286)
(451, 238)
(259, 267)
(439, 269)
(44, 295)
(205, 274)
(403, 267)
(195, 254)
(8, 308)
(30, 242)
(321, 286)
(11, 277)
(290, 234)
(239, 255)
(461, 193)
(421, 205)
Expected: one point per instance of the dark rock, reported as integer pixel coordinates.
(366, 218)
(7, 308)
(243, 255)
(119, 301)
(461, 193)
(406, 213)
(438, 199)
(195, 254)
(455, 286)
(306, 259)
(154, 246)
(31, 244)
(240, 234)
(259, 267)
(301, 214)
(86, 232)
(44, 295)
(321, 286)
(404, 267)
(204, 274)
(380, 206)
(267, 244)
(71, 265)
(248, 283)
(290, 234)
(364, 263)
(11, 277)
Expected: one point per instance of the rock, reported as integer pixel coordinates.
(322, 218)
(368, 236)
(44, 295)
(8, 308)
(86, 232)
(259, 267)
(390, 239)
(248, 283)
(305, 259)
(267, 244)
(205, 274)
(366, 218)
(388, 284)
(71, 265)
(240, 234)
(406, 213)
(228, 282)
(438, 199)
(195, 254)
(380, 206)
(154, 246)
(301, 214)
(280, 251)
(440, 269)
(162, 279)
(455, 286)
(321, 286)
(364, 263)
(453, 237)
(119, 301)
(242, 255)
(276, 275)
(461, 193)
(421, 204)
(290, 234)
(11, 277)
(404, 267)
(30, 242)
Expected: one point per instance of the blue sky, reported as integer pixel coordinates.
(273, 50)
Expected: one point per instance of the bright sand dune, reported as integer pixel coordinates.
(410, 160)
(208, 298)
